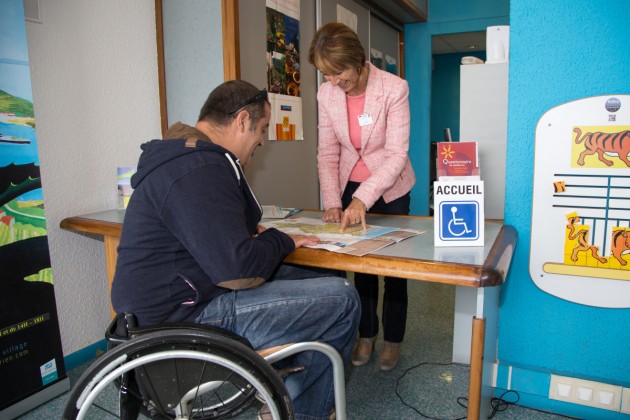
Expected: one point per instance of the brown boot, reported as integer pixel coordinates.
(363, 351)
(389, 356)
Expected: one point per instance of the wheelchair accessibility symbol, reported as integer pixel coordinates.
(459, 220)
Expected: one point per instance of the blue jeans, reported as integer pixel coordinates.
(298, 305)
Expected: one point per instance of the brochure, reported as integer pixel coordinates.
(278, 212)
(124, 185)
(457, 159)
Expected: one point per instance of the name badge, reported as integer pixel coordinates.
(365, 119)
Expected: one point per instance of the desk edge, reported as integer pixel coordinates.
(499, 259)
(82, 224)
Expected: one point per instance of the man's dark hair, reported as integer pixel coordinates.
(227, 99)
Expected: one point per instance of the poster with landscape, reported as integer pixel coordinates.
(30, 343)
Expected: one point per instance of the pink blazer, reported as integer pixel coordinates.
(384, 143)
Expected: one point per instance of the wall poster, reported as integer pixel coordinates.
(283, 69)
(376, 58)
(31, 358)
(580, 239)
(390, 64)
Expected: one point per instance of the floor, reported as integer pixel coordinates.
(424, 385)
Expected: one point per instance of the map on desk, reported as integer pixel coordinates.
(353, 241)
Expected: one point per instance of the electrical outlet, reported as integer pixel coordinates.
(590, 393)
(625, 400)
(561, 388)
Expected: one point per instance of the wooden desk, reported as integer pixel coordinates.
(477, 272)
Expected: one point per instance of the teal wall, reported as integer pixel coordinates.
(465, 11)
(444, 18)
(565, 50)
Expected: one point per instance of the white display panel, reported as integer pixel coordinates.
(483, 119)
(580, 235)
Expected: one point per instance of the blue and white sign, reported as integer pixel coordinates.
(460, 220)
(459, 213)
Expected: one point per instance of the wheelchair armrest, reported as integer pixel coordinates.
(118, 330)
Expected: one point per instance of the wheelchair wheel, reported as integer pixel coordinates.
(178, 374)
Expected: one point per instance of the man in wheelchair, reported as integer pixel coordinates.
(192, 249)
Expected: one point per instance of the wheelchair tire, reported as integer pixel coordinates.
(222, 377)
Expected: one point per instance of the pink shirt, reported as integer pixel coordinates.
(355, 105)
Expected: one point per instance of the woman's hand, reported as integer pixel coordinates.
(355, 213)
(332, 215)
(302, 240)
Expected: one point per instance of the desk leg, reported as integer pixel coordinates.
(475, 345)
(476, 368)
(111, 254)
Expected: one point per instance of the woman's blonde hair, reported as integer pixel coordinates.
(335, 48)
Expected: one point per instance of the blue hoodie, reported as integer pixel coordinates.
(189, 232)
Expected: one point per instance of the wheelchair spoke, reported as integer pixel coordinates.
(179, 375)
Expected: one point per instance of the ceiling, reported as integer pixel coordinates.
(397, 12)
(458, 43)
(400, 12)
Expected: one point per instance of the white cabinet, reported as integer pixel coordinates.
(483, 118)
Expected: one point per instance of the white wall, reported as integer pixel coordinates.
(95, 94)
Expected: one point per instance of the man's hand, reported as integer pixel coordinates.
(302, 240)
(355, 213)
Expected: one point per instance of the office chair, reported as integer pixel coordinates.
(188, 371)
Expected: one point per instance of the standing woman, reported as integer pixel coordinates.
(363, 166)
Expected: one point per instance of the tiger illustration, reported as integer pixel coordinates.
(601, 143)
(620, 245)
(582, 240)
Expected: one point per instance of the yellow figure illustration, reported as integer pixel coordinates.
(576, 244)
(620, 245)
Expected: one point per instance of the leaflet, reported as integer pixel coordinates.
(278, 212)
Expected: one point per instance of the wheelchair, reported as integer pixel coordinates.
(188, 371)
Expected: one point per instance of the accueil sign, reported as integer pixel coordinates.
(458, 213)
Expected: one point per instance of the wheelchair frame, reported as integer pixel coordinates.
(169, 372)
